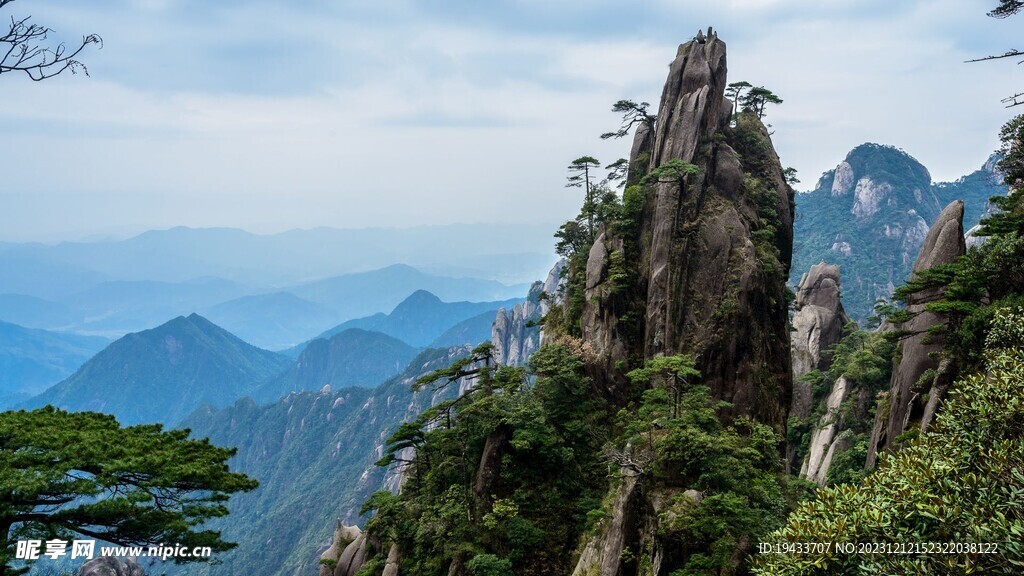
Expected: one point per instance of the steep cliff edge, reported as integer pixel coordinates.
(920, 377)
(709, 253)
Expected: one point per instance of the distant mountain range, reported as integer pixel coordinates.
(32, 359)
(273, 321)
(352, 358)
(870, 215)
(423, 317)
(163, 374)
(276, 260)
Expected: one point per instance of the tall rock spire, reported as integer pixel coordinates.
(711, 252)
(920, 377)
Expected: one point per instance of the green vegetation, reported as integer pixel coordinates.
(81, 475)
(314, 455)
(864, 358)
(959, 482)
(724, 480)
(504, 476)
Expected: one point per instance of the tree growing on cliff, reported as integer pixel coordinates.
(22, 49)
(65, 475)
(757, 99)
(734, 92)
(632, 114)
(579, 177)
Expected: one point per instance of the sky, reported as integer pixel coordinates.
(269, 115)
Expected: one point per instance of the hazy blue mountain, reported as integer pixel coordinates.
(422, 317)
(470, 331)
(28, 269)
(353, 358)
(118, 307)
(870, 216)
(366, 293)
(33, 312)
(313, 453)
(272, 321)
(163, 374)
(276, 260)
(32, 360)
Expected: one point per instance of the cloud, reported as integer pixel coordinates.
(283, 114)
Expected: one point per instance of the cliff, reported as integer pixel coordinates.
(920, 376)
(709, 254)
(701, 272)
(871, 213)
(515, 333)
(818, 323)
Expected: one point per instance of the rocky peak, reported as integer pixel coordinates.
(514, 333)
(920, 377)
(701, 273)
(818, 324)
(708, 250)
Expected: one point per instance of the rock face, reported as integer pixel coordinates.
(110, 566)
(349, 550)
(702, 273)
(818, 324)
(870, 216)
(711, 252)
(919, 378)
(818, 320)
(513, 336)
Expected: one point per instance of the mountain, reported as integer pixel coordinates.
(422, 317)
(870, 216)
(974, 189)
(33, 312)
(352, 358)
(32, 359)
(313, 454)
(163, 374)
(118, 307)
(29, 269)
(272, 321)
(273, 260)
(366, 293)
(471, 331)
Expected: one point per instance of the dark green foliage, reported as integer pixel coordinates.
(865, 359)
(676, 439)
(735, 92)
(1009, 215)
(757, 98)
(1006, 8)
(674, 171)
(538, 450)
(68, 475)
(959, 482)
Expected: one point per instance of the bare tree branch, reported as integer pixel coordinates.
(23, 49)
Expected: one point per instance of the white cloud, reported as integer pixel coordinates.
(279, 116)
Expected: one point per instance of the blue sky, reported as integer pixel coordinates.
(270, 115)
